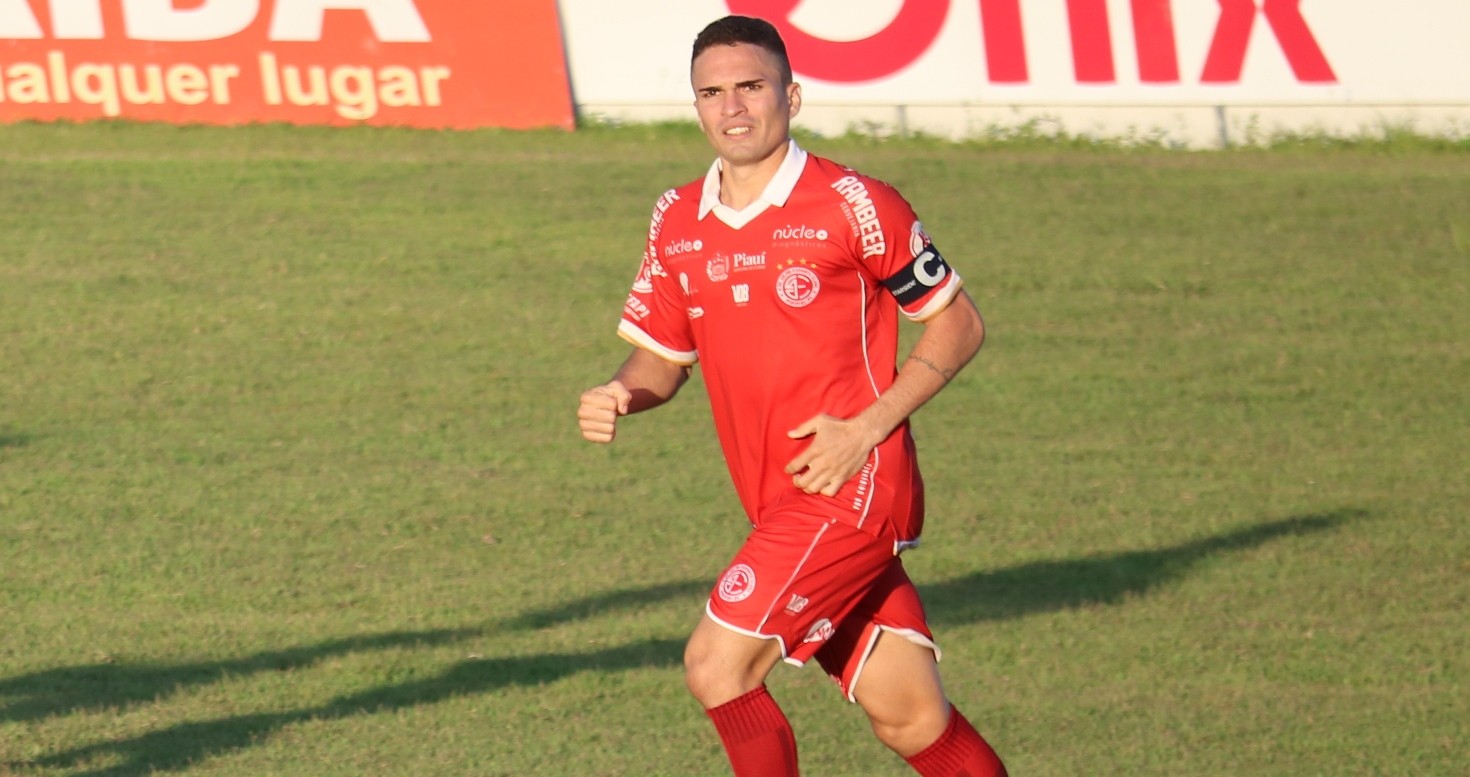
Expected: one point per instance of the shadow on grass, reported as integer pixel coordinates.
(1045, 586)
(1012, 592)
(983, 596)
(614, 601)
(181, 746)
(111, 685)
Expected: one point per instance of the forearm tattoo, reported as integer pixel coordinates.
(947, 374)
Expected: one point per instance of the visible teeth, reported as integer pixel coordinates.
(738, 131)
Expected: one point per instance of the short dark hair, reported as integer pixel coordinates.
(734, 30)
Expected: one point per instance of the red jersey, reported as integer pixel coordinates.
(791, 308)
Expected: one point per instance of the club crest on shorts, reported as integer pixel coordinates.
(738, 583)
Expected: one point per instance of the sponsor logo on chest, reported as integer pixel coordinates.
(746, 262)
(719, 267)
(799, 234)
(683, 246)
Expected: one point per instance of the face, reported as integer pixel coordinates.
(743, 108)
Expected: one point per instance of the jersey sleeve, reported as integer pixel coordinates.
(655, 316)
(904, 258)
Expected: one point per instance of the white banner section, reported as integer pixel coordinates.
(1188, 72)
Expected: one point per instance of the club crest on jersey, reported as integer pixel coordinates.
(798, 286)
(718, 268)
(738, 583)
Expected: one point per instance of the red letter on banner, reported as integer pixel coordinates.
(1092, 41)
(1232, 33)
(1302, 51)
(1227, 52)
(884, 53)
(1153, 32)
(1005, 45)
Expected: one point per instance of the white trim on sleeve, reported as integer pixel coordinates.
(633, 334)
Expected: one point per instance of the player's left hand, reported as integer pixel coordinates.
(839, 448)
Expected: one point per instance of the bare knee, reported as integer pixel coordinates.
(912, 731)
(707, 682)
(721, 665)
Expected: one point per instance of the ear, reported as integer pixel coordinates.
(793, 96)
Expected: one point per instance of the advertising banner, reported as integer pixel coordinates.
(1134, 61)
(419, 63)
(1056, 51)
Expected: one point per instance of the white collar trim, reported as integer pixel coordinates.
(776, 192)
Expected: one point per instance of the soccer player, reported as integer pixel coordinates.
(783, 275)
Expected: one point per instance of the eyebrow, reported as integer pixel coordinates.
(738, 84)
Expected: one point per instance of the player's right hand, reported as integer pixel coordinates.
(600, 408)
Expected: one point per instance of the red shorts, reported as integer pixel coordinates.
(821, 588)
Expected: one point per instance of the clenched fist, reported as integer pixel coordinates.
(599, 411)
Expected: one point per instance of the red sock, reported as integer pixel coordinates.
(757, 737)
(959, 752)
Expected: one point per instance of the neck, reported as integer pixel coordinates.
(742, 183)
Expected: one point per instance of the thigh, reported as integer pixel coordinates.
(890, 613)
(900, 691)
(900, 681)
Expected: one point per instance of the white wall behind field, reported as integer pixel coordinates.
(1398, 65)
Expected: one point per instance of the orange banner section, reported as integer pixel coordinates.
(457, 64)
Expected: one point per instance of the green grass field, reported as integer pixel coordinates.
(290, 482)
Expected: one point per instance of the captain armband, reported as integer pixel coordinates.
(911, 283)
